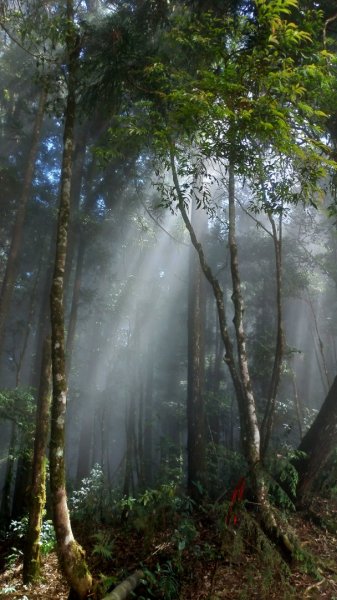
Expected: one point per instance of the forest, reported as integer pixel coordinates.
(168, 297)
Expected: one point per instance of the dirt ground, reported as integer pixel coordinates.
(51, 587)
(243, 578)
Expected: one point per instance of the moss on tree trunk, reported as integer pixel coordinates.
(31, 563)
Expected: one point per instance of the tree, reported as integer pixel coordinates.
(196, 438)
(71, 554)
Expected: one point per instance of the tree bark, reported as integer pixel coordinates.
(196, 450)
(268, 419)
(318, 444)
(215, 419)
(84, 461)
(74, 305)
(130, 434)
(71, 555)
(6, 497)
(124, 589)
(249, 423)
(17, 235)
(31, 562)
(148, 420)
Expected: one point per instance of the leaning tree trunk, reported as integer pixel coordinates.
(71, 555)
(318, 444)
(17, 234)
(31, 562)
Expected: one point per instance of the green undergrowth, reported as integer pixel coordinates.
(179, 545)
(16, 534)
(175, 542)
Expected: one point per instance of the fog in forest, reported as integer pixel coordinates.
(127, 305)
(168, 339)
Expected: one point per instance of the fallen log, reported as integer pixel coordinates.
(127, 586)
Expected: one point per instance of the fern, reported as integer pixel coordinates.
(104, 545)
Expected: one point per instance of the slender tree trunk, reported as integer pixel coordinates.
(140, 438)
(268, 419)
(148, 420)
(214, 418)
(17, 235)
(43, 319)
(128, 485)
(322, 365)
(23, 475)
(84, 461)
(80, 147)
(28, 327)
(71, 555)
(196, 450)
(298, 407)
(251, 433)
(74, 305)
(31, 563)
(24, 463)
(6, 498)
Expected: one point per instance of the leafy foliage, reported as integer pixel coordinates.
(18, 531)
(84, 503)
(162, 582)
(229, 98)
(18, 405)
(284, 479)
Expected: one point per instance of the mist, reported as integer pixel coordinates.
(168, 341)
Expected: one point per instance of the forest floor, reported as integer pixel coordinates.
(211, 567)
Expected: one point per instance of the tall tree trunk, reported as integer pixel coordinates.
(318, 444)
(128, 485)
(71, 555)
(43, 318)
(22, 478)
(6, 498)
(148, 420)
(17, 235)
(74, 305)
(24, 463)
(31, 563)
(251, 433)
(80, 147)
(140, 438)
(214, 417)
(84, 461)
(268, 419)
(196, 442)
